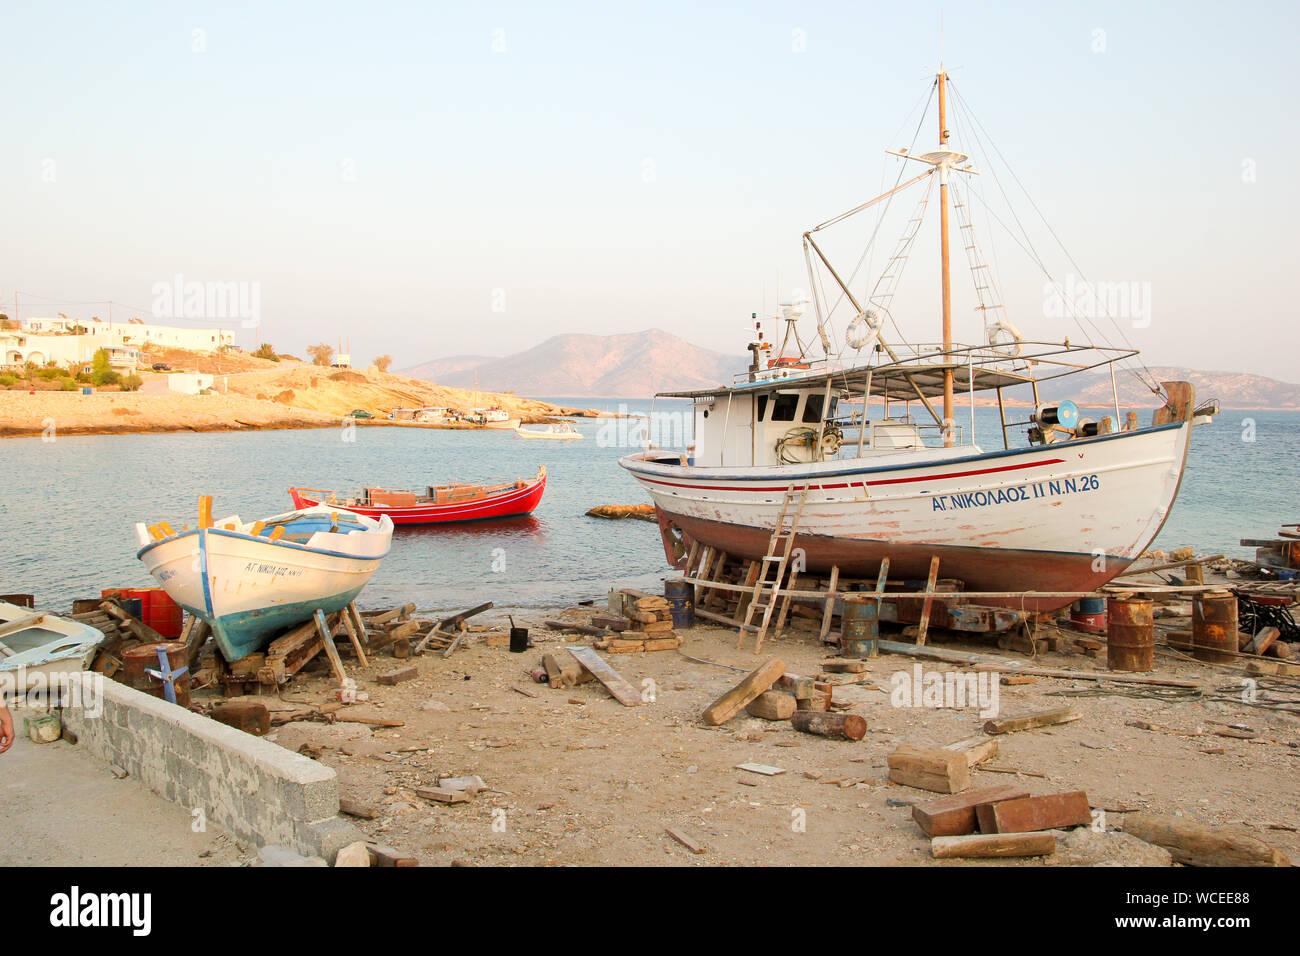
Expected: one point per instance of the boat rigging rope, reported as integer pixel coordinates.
(880, 216)
(960, 101)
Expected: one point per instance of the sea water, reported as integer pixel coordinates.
(69, 506)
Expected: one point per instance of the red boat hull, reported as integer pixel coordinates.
(507, 504)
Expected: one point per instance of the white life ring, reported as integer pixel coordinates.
(864, 328)
(1010, 347)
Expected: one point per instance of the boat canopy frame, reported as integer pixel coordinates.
(921, 374)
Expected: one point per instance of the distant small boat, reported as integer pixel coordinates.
(32, 643)
(494, 418)
(248, 581)
(437, 505)
(561, 431)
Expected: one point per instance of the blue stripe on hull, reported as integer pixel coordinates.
(244, 633)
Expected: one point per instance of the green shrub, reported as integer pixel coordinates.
(7, 380)
(132, 383)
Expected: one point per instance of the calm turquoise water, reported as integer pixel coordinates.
(68, 509)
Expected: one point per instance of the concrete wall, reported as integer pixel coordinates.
(256, 791)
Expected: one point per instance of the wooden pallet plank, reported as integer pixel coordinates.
(619, 689)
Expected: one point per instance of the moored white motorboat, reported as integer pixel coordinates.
(556, 431)
(248, 581)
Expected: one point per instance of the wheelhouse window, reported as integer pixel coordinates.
(812, 411)
(785, 406)
(762, 407)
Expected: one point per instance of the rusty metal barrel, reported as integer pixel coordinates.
(1214, 627)
(144, 657)
(1130, 634)
(859, 627)
(681, 601)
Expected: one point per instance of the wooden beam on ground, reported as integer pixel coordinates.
(1043, 718)
(755, 683)
(992, 845)
(618, 688)
(956, 815)
(1194, 845)
(926, 768)
(1025, 814)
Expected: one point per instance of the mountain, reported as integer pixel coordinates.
(638, 364)
(1232, 389)
(630, 365)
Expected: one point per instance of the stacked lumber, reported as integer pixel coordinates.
(645, 624)
(999, 821)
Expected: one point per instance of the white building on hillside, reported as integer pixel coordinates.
(66, 341)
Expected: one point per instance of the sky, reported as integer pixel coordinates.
(427, 180)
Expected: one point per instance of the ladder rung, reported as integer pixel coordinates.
(773, 557)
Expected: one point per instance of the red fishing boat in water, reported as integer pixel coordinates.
(438, 503)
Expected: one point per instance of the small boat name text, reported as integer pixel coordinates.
(275, 570)
(1002, 496)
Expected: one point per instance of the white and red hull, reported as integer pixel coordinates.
(1065, 517)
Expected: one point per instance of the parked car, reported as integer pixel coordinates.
(161, 367)
(360, 413)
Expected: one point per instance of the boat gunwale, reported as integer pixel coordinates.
(689, 470)
(296, 546)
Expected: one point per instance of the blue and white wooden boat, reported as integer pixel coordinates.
(249, 581)
(34, 643)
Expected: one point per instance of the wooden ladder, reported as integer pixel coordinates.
(779, 546)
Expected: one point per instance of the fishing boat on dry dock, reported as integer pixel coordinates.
(248, 581)
(787, 469)
(438, 504)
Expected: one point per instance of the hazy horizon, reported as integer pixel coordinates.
(441, 181)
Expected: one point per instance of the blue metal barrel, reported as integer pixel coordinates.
(681, 602)
(859, 628)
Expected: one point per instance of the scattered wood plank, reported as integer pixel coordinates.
(934, 769)
(992, 845)
(835, 726)
(406, 610)
(844, 667)
(381, 855)
(439, 795)
(618, 688)
(580, 628)
(976, 749)
(681, 837)
(1044, 718)
(1025, 814)
(755, 683)
(245, 713)
(1194, 845)
(772, 705)
(761, 768)
(398, 676)
(956, 815)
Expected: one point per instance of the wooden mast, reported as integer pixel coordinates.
(948, 438)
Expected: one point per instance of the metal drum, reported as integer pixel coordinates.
(859, 627)
(1214, 627)
(681, 602)
(1089, 614)
(1130, 634)
(145, 657)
